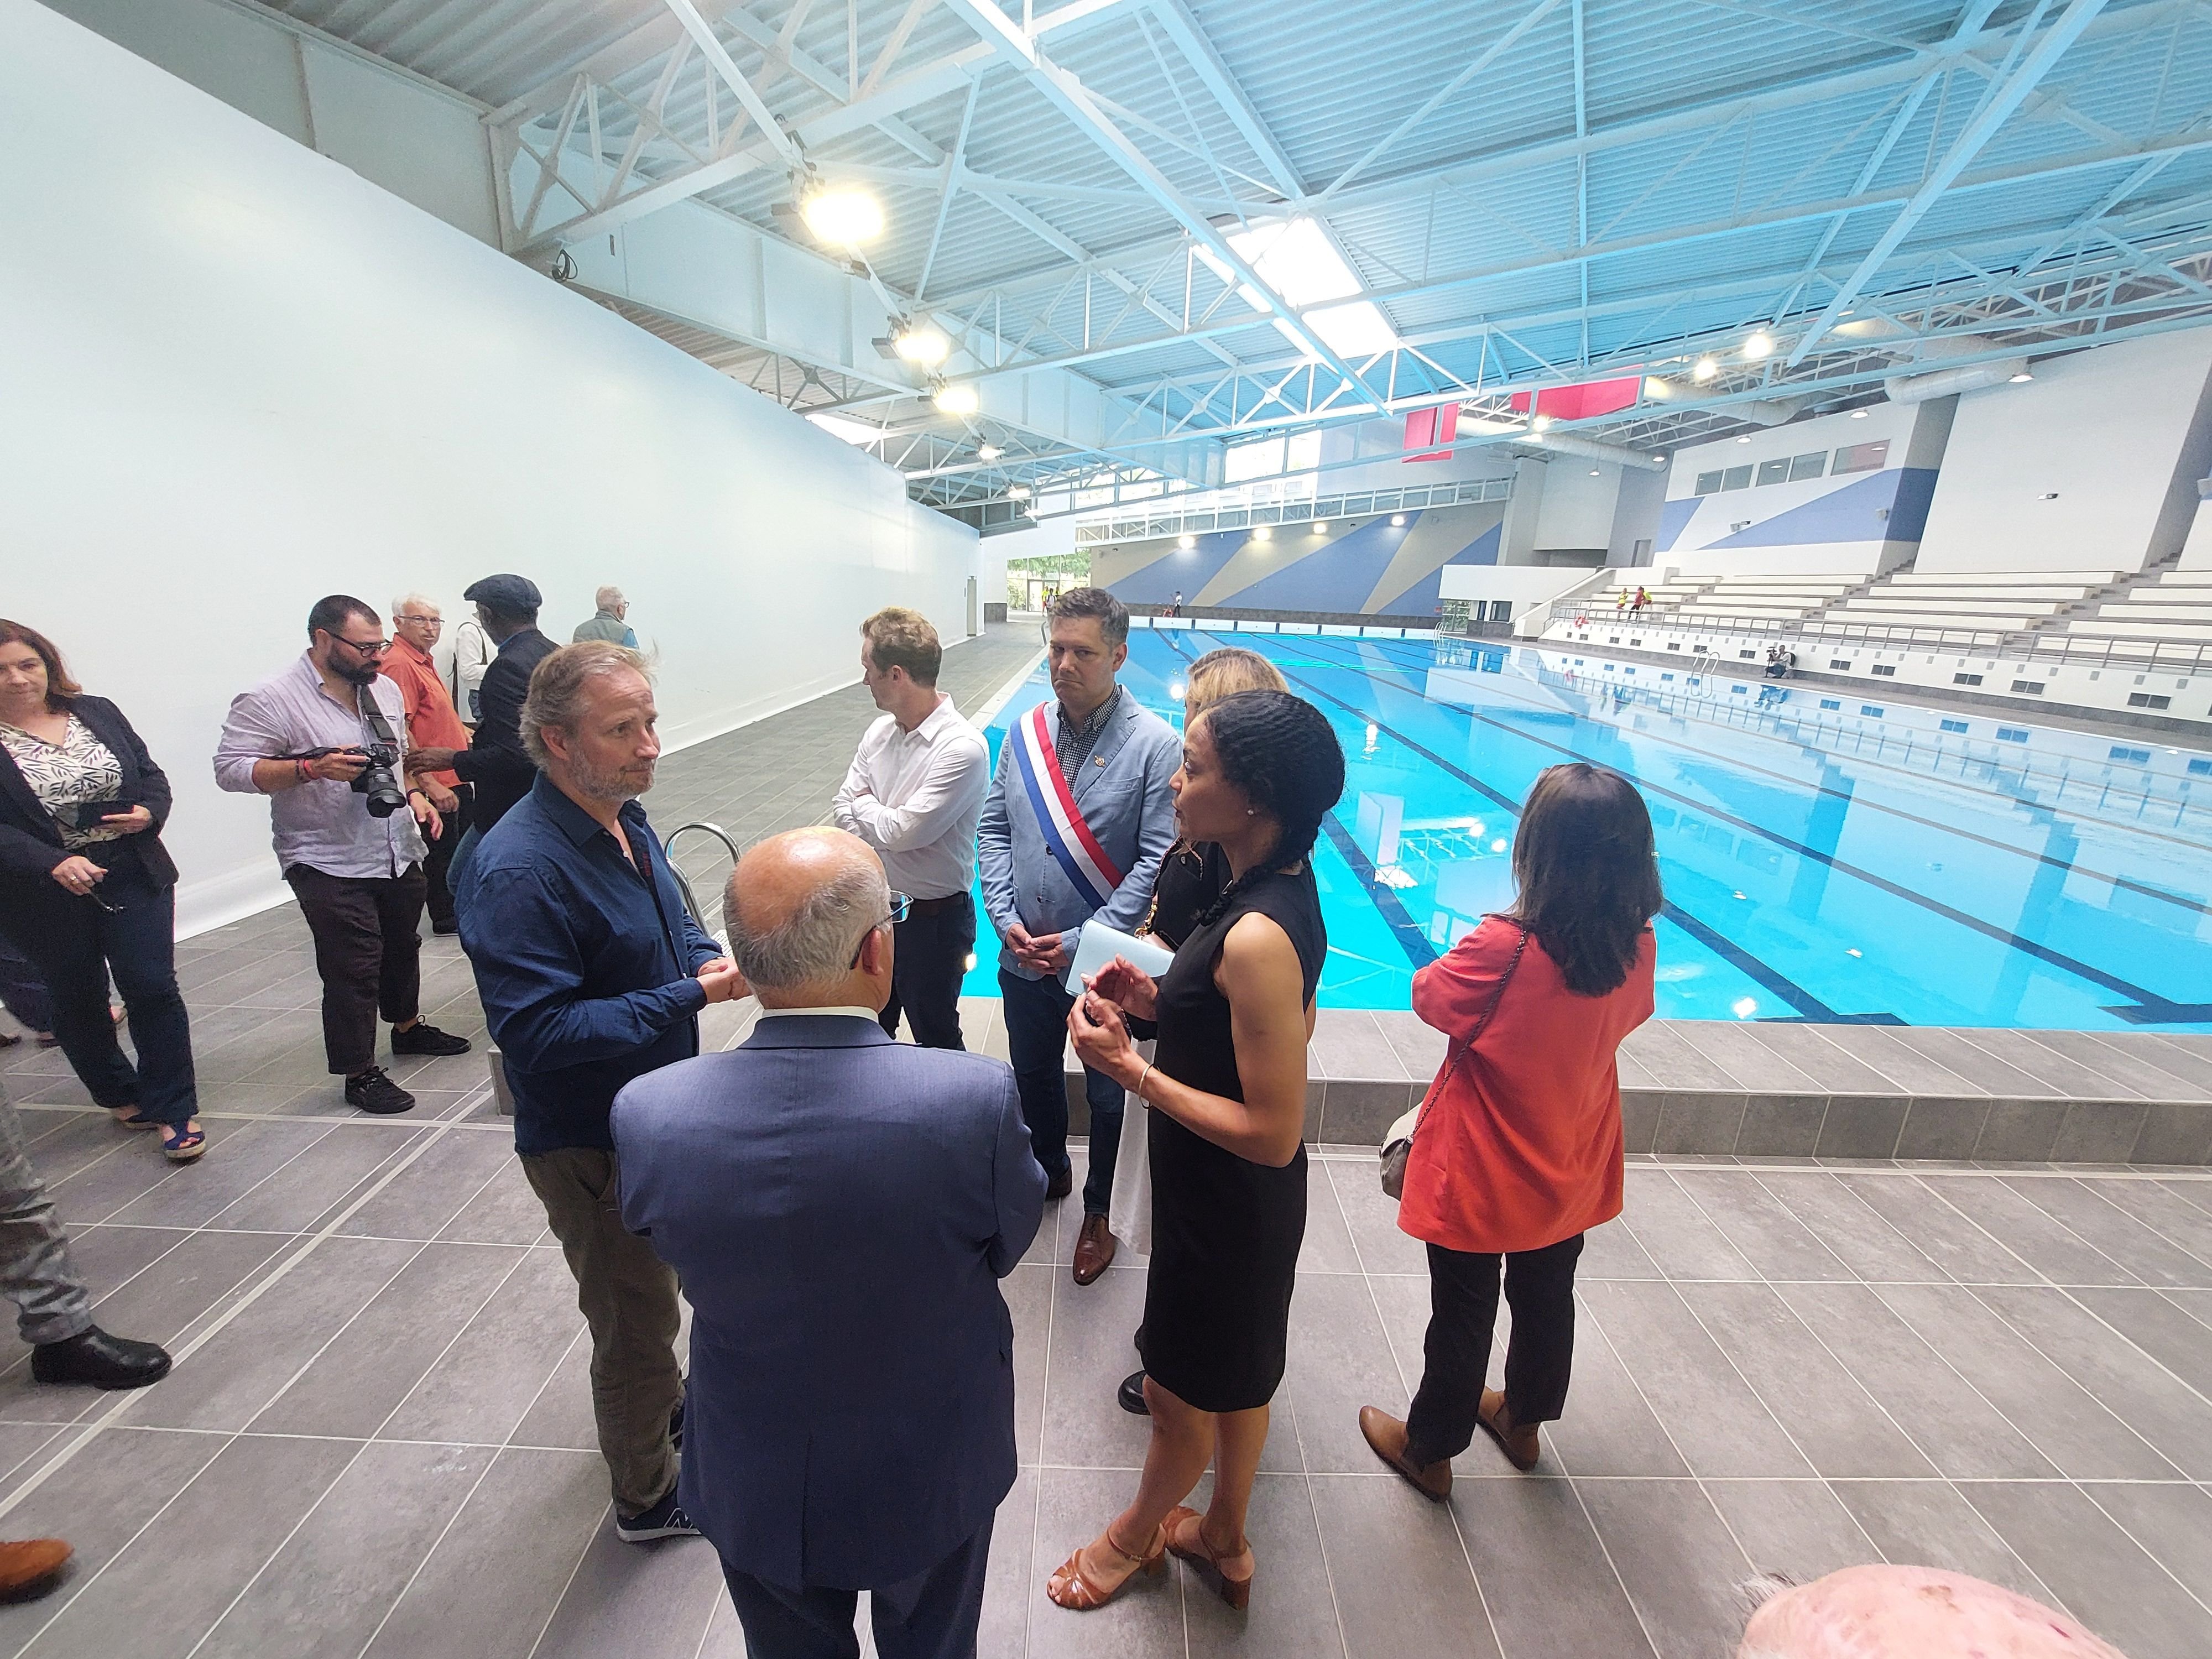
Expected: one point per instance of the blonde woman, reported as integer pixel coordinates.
(1191, 878)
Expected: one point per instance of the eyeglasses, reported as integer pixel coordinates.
(902, 905)
(367, 647)
(422, 621)
(106, 905)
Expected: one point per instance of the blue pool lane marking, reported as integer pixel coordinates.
(1795, 995)
(2145, 1007)
(1407, 932)
(1646, 698)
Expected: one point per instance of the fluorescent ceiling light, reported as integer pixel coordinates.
(958, 398)
(853, 432)
(1297, 260)
(843, 216)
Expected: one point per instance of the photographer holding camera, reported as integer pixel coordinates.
(326, 740)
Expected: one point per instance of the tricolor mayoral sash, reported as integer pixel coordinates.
(1073, 846)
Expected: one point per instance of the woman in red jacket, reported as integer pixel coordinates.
(1517, 1152)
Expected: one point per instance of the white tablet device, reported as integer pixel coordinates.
(1099, 945)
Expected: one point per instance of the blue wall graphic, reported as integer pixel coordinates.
(1337, 575)
(1425, 596)
(1187, 568)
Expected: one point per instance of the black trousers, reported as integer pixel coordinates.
(439, 897)
(1036, 1011)
(933, 1616)
(1540, 1288)
(367, 952)
(929, 960)
(75, 945)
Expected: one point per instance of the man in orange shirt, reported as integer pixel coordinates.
(431, 724)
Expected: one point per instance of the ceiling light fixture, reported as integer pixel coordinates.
(1017, 492)
(1758, 347)
(1704, 369)
(1858, 414)
(1186, 542)
(1397, 521)
(1542, 423)
(1743, 441)
(957, 398)
(2017, 378)
(843, 216)
(1261, 533)
(921, 342)
(988, 451)
(1321, 526)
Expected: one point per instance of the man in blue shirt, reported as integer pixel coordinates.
(592, 973)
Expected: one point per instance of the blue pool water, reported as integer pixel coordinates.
(1826, 856)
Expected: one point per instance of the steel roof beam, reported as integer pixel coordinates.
(1996, 109)
(1068, 94)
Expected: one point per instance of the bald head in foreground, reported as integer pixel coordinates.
(840, 1209)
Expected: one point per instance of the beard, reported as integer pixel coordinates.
(354, 673)
(611, 783)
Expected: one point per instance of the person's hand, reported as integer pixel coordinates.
(78, 874)
(426, 815)
(430, 760)
(1102, 1041)
(441, 797)
(129, 823)
(339, 766)
(722, 980)
(1122, 982)
(1051, 954)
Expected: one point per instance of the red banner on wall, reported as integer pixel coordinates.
(1439, 425)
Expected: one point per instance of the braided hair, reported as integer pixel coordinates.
(1278, 751)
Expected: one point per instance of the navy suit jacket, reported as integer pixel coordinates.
(840, 1208)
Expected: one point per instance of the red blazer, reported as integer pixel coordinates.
(1519, 1145)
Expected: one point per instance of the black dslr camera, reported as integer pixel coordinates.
(377, 780)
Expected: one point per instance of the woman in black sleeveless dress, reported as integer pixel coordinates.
(1227, 1094)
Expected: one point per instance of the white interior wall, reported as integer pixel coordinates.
(1580, 499)
(240, 377)
(2091, 465)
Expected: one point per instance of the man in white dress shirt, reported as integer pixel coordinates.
(914, 792)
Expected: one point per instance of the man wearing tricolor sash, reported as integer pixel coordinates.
(1077, 821)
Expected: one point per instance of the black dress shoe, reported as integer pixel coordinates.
(445, 928)
(1130, 1397)
(1061, 1185)
(104, 1361)
(424, 1038)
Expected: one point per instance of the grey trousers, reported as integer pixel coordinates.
(35, 1270)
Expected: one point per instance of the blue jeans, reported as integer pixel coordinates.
(75, 944)
(1036, 1036)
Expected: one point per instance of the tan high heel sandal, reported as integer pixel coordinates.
(1188, 1544)
(1072, 1588)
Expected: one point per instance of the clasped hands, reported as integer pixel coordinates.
(79, 874)
(1096, 1023)
(723, 980)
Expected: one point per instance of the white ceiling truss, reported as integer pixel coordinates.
(1527, 193)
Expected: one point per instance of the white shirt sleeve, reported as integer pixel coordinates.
(952, 786)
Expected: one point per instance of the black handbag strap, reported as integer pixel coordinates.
(1480, 1026)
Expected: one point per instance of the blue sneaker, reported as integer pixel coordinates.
(665, 1519)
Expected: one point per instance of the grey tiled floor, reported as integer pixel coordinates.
(377, 1438)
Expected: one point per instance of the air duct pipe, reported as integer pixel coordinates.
(1943, 382)
(1590, 449)
(1765, 411)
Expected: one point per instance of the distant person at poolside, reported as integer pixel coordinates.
(610, 622)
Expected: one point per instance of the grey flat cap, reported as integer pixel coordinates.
(510, 595)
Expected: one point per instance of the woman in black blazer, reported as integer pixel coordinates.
(87, 888)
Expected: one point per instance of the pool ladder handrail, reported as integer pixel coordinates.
(683, 883)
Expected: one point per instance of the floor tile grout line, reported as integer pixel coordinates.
(2059, 1221)
(1313, 1503)
(1044, 1424)
(1467, 1554)
(2154, 1231)
(568, 1584)
(201, 1338)
(78, 1591)
(452, 1520)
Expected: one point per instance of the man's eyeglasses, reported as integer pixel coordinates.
(367, 647)
(422, 621)
(901, 906)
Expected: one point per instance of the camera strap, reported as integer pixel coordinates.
(365, 704)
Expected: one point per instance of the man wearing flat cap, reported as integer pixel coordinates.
(494, 761)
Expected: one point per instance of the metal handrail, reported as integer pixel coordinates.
(2136, 650)
(683, 883)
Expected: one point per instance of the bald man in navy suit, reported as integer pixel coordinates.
(840, 1208)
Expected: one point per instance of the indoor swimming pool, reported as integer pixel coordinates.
(1826, 857)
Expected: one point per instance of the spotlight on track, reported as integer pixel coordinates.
(988, 451)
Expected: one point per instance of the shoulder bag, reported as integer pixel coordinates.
(1397, 1144)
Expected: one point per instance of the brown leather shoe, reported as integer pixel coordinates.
(1059, 1186)
(1386, 1437)
(1517, 1441)
(31, 1567)
(1094, 1249)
